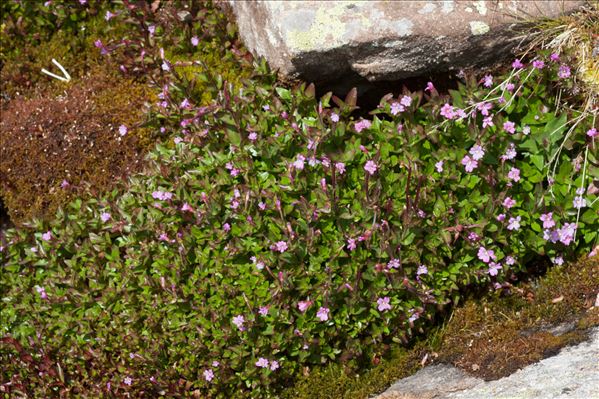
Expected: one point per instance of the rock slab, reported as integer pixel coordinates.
(325, 41)
(571, 374)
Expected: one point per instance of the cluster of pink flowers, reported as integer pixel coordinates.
(370, 167)
(279, 246)
(162, 195)
(509, 127)
(239, 321)
(264, 363)
(362, 124)
(565, 234)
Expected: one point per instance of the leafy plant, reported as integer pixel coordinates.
(276, 233)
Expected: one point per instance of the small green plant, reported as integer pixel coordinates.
(276, 233)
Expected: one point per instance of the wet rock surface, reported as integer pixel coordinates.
(353, 41)
(572, 373)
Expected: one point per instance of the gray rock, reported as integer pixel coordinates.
(573, 374)
(430, 383)
(324, 41)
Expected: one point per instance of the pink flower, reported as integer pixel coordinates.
(406, 101)
(42, 292)
(262, 363)
(383, 304)
(253, 136)
(487, 81)
(579, 202)
(439, 166)
(526, 130)
(488, 121)
(393, 264)
(558, 260)
(486, 255)
(370, 167)
(484, 108)
(510, 87)
(215, 363)
(547, 220)
(564, 72)
(109, 16)
(323, 314)
(263, 310)
(460, 113)
(509, 127)
(510, 261)
(239, 320)
(554, 57)
(508, 202)
(303, 305)
(208, 375)
(477, 152)
(501, 217)
(469, 163)
(510, 153)
(421, 270)
(226, 227)
(299, 162)
(429, 87)
(396, 108)
(47, 236)
(494, 268)
(334, 117)
(195, 41)
(280, 246)
(447, 111)
(351, 244)
(274, 365)
(105, 216)
(514, 223)
(165, 66)
(514, 174)
(340, 167)
(592, 133)
(64, 184)
(517, 64)
(186, 207)
(128, 381)
(538, 64)
(122, 130)
(362, 124)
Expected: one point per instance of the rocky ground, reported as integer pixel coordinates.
(573, 373)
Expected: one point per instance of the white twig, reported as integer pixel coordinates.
(66, 77)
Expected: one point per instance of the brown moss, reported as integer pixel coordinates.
(72, 137)
(494, 338)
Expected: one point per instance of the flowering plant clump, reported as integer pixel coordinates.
(277, 233)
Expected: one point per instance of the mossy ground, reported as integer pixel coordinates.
(489, 338)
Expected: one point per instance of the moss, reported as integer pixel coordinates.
(480, 335)
(73, 137)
